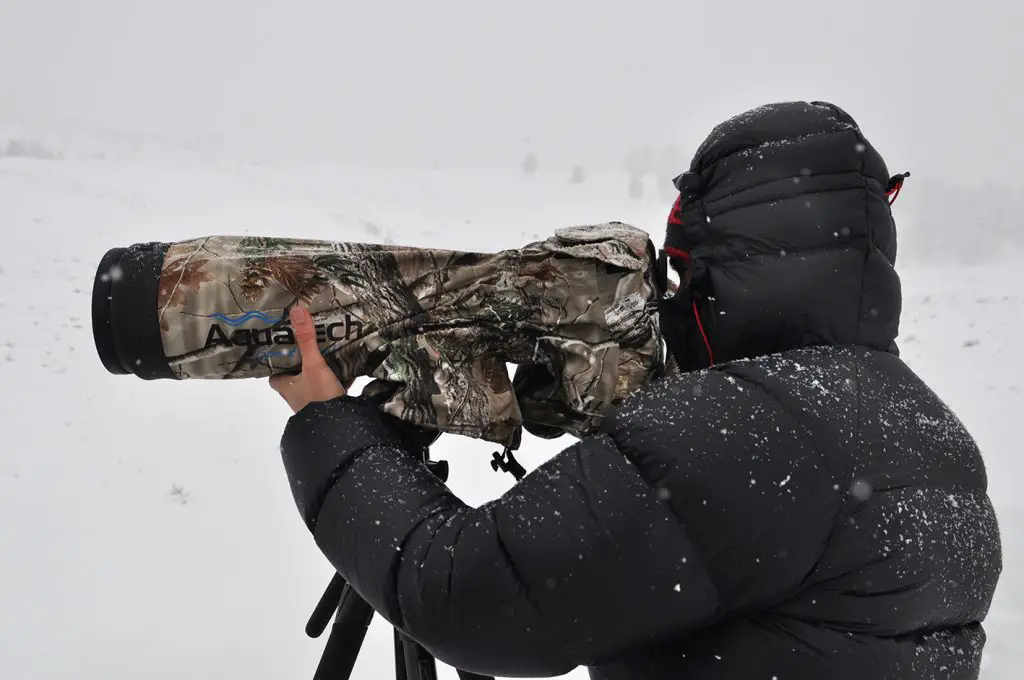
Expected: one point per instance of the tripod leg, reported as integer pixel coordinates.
(400, 673)
(328, 603)
(419, 664)
(347, 635)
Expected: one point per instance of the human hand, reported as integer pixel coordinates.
(316, 382)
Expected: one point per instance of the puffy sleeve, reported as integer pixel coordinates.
(579, 563)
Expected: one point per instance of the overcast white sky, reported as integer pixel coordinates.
(936, 85)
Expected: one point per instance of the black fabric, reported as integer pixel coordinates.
(683, 335)
(819, 512)
(364, 427)
(311, 476)
(806, 508)
(787, 222)
(523, 587)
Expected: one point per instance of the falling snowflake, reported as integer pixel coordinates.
(861, 489)
(115, 273)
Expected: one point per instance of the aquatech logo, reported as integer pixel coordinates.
(246, 316)
(345, 329)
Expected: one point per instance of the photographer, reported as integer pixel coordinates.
(793, 502)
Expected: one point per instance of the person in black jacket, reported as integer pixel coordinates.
(793, 503)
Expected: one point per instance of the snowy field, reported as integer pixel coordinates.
(146, 528)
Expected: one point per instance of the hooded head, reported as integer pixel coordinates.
(783, 225)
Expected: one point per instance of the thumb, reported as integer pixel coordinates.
(305, 337)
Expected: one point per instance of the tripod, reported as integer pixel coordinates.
(412, 661)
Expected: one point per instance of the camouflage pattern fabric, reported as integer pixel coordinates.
(574, 311)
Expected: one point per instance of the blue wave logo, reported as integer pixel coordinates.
(246, 317)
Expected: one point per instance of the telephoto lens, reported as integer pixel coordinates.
(574, 312)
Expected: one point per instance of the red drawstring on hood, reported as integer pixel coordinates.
(895, 186)
(675, 218)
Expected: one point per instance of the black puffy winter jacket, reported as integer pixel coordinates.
(805, 508)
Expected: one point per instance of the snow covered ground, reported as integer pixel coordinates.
(146, 528)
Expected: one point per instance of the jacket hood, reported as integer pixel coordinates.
(784, 214)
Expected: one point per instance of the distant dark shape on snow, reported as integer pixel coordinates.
(636, 187)
(530, 163)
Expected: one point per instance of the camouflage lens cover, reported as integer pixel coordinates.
(572, 311)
